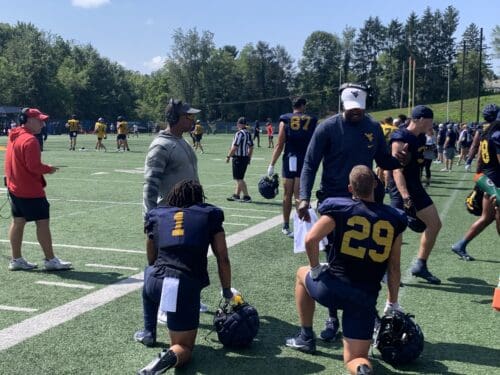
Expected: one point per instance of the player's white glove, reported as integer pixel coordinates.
(270, 170)
(318, 270)
(392, 306)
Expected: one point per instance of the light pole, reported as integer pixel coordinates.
(340, 84)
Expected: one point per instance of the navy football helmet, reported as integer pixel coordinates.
(398, 338)
(236, 325)
(269, 186)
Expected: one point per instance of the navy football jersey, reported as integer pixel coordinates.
(489, 148)
(182, 237)
(299, 129)
(416, 148)
(362, 240)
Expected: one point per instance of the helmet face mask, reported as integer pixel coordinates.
(398, 338)
(269, 186)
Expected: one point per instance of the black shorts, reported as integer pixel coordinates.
(285, 168)
(187, 315)
(121, 137)
(240, 164)
(31, 209)
(358, 305)
(198, 137)
(418, 195)
(73, 134)
(270, 137)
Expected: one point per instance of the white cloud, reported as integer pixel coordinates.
(155, 63)
(89, 3)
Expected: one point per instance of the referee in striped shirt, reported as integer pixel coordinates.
(241, 153)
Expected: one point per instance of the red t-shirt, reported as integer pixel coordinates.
(23, 165)
(270, 130)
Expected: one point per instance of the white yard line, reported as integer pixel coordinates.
(236, 224)
(248, 217)
(85, 247)
(17, 309)
(111, 266)
(65, 285)
(38, 324)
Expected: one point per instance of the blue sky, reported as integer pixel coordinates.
(137, 33)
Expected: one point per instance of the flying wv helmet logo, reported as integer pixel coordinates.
(355, 93)
(369, 137)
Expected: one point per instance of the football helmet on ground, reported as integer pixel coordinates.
(398, 338)
(236, 324)
(269, 186)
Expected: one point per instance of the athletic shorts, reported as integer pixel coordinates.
(270, 137)
(240, 164)
(187, 315)
(73, 134)
(198, 137)
(121, 137)
(417, 192)
(31, 209)
(285, 168)
(358, 305)
(440, 149)
(449, 153)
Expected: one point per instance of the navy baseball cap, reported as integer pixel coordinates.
(421, 111)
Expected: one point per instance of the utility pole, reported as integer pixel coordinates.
(479, 74)
(462, 84)
(340, 84)
(448, 97)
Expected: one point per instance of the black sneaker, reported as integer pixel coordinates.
(302, 344)
(423, 272)
(462, 254)
(246, 199)
(364, 370)
(165, 360)
(233, 197)
(330, 331)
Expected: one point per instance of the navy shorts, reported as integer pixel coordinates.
(73, 134)
(285, 169)
(240, 164)
(187, 315)
(359, 306)
(31, 209)
(121, 136)
(198, 137)
(418, 195)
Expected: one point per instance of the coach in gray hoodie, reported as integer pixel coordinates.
(170, 158)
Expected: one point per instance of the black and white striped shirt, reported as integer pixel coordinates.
(243, 142)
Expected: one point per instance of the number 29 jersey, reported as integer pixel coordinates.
(182, 237)
(362, 239)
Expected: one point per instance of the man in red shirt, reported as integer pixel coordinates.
(25, 183)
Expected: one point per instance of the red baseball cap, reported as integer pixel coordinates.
(35, 113)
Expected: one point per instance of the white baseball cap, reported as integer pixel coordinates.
(353, 98)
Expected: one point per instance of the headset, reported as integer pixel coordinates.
(360, 86)
(172, 113)
(23, 117)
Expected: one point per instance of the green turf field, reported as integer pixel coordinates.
(96, 219)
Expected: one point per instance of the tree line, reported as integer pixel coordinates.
(63, 78)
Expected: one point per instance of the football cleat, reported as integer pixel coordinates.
(165, 360)
(331, 330)
(302, 343)
(423, 272)
(233, 197)
(462, 254)
(145, 338)
(287, 232)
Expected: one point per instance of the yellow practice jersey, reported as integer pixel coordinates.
(198, 129)
(100, 129)
(73, 125)
(122, 127)
(388, 129)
